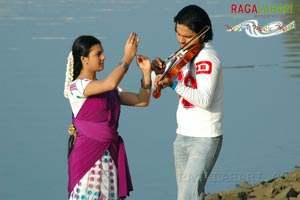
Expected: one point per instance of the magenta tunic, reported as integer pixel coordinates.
(97, 123)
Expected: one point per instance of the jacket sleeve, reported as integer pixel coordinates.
(207, 68)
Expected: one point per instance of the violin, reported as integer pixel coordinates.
(180, 58)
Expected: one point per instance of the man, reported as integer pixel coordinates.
(199, 85)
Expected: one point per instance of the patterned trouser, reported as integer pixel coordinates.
(99, 183)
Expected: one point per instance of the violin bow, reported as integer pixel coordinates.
(185, 47)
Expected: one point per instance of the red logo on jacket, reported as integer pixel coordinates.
(203, 67)
(189, 81)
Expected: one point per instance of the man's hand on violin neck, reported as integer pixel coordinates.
(158, 66)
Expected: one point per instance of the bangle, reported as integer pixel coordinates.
(145, 86)
(174, 85)
(124, 64)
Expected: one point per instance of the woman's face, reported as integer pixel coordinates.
(184, 34)
(96, 58)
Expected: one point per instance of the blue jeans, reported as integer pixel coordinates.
(194, 159)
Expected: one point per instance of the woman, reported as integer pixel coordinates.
(97, 163)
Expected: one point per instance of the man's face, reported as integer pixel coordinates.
(184, 34)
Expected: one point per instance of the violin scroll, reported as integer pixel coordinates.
(156, 93)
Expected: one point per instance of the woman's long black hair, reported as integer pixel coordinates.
(81, 47)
